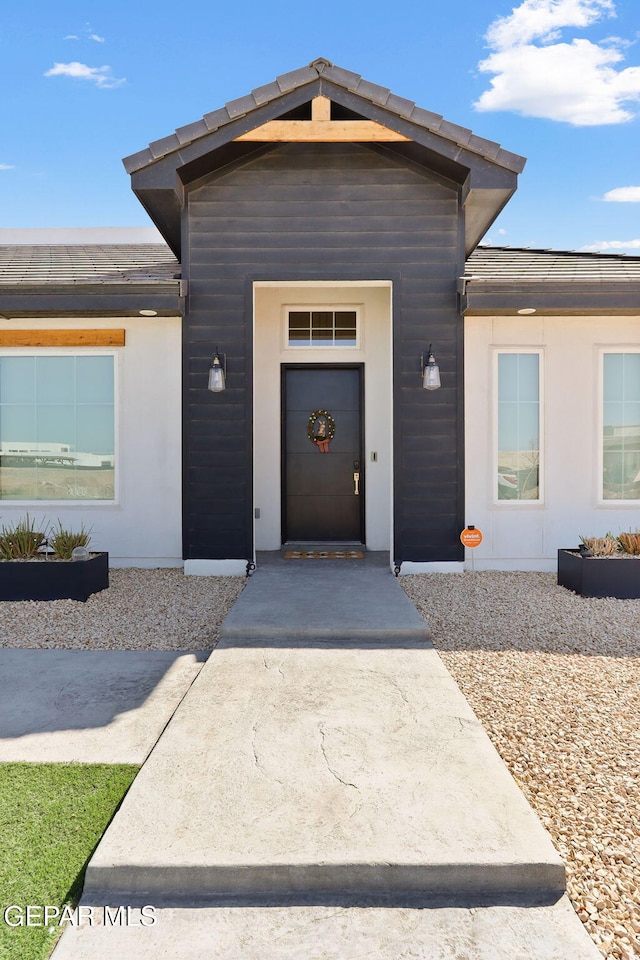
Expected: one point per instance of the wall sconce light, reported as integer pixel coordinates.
(218, 372)
(430, 371)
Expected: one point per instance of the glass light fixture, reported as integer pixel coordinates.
(430, 371)
(218, 373)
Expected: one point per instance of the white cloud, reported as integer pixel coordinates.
(7, 166)
(603, 245)
(623, 195)
(101, 76)
(575, 81)
(88, 34)
(543, 20)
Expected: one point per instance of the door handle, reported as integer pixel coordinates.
(356, 484)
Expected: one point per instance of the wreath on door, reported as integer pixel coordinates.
(321, 428)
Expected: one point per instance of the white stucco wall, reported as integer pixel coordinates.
(374, 350)
(142, 527)
(521, 535)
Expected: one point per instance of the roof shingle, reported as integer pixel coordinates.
(352, 82)
(524, 265)
(88, 263)
(155, 263)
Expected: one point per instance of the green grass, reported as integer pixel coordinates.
(51, 818)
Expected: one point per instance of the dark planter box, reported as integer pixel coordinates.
(54, 579)
(599, 576)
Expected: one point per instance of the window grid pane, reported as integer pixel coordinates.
(621, 427)
(57, 437)
(322, 328)
(518, 426)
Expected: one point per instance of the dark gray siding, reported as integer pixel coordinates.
(313, 212)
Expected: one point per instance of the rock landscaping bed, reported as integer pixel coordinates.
(555, 679)
(142, 610)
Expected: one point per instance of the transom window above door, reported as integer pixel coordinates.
(322, 328)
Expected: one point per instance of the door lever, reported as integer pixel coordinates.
(356, 483)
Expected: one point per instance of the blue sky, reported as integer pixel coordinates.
(558, 81)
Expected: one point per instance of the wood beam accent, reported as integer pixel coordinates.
(62, 338)
(321, 109)
(322, 129)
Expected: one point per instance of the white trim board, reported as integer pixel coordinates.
(215, 568)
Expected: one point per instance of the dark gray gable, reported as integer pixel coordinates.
(485, 173)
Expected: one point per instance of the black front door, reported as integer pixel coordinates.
(323, 490)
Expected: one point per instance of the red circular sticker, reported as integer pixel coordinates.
(471, 537)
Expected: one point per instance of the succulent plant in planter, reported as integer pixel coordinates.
(36, 563)
(605, 546)
(21, 540)
(593, 570)
(63, 542)
(630, 543)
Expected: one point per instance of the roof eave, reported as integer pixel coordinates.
(552, 297)
(89, 299)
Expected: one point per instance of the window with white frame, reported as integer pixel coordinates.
(518, 426)
(621, 426)
(57, 427)
(324, 327)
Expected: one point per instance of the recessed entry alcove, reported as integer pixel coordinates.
(302, 493)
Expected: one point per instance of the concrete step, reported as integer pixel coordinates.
(293, 775)
(335, 933)
(324, 601)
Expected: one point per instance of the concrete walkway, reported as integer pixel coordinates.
(329, 799)
(324, 602)
(89, 706)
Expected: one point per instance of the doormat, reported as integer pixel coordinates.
(324, 555)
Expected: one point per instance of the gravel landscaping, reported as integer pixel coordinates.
(142, 610)
(555, 679)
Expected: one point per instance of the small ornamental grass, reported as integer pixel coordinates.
(63, 542)
(21, 540)
(609, 546)
(24, 540)
(605, 546)
(630, 542)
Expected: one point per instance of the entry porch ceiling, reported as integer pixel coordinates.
(484, 173)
